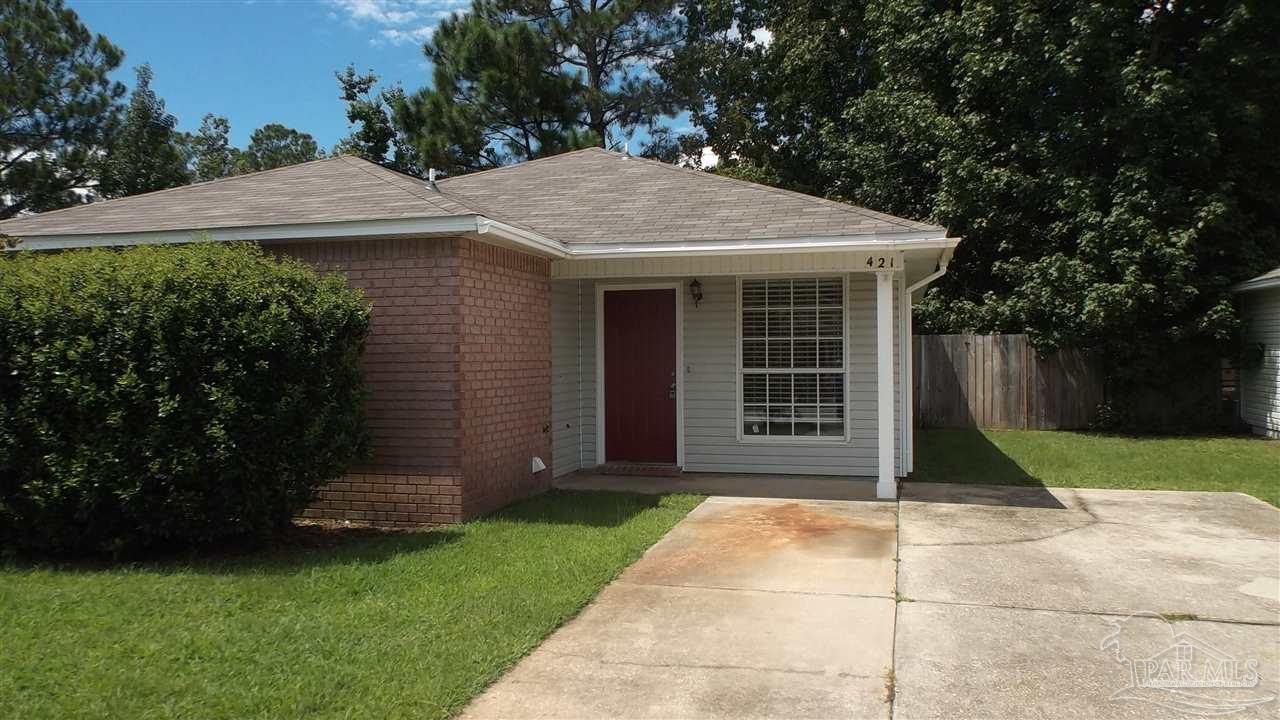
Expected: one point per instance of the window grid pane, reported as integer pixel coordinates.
(792, 367)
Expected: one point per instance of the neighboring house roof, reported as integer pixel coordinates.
(338, 189)
(597, 196)
(590, 198)
(1262, 282)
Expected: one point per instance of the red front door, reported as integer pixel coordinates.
(640, 375)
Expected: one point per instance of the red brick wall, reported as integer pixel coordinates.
(458, 370)
(505, 372)
(411, 373)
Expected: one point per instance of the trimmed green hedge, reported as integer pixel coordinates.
(171, 395)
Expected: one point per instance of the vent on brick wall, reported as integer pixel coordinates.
(537, 465)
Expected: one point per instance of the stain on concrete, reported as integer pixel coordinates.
(735, 544)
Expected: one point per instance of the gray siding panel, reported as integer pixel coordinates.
(711, 386)
(1260, 386)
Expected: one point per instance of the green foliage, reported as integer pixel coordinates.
(212, 155)
(498, 97)
(162, 395)
(520, 79)
(374, 135)
(148, 153)
(1110, 166)
(57, 104)
(613, 46)
(274, 145)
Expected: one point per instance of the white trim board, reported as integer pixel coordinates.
(793, 264)
(677, 287)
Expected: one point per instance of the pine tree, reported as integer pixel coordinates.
(148, 153)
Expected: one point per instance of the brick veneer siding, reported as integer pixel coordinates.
(458, 372)
(505, 360)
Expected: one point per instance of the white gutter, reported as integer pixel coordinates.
(943, 261)
(1260, 283)
(524, 238)
(509, 234)
(868, 243)
(453, 224)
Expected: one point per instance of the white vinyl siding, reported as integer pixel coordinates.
(573, 426)
(711, 436)
(1260, 385)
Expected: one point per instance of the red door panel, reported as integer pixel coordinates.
(639, 375)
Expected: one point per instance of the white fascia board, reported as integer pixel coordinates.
(1258, 284)
(454, 224)
(868, 243)
(508, 234)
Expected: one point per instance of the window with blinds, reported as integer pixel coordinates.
(791, 371)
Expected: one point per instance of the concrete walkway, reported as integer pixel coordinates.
(1012, 603)
(748, 608)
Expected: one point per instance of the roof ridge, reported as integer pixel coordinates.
(364, 166)
(847, 207)
(524, 163)
(202, 183)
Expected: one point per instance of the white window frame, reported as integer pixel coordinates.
(793, 440)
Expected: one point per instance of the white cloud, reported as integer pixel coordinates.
(709, 157)
(396, 36)
(396, 21)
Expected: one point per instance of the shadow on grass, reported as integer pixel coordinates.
(953, 457)
(309, 544)
(604, 509)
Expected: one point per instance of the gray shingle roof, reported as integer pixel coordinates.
(597, 196)
(333, 190)
(589, 196)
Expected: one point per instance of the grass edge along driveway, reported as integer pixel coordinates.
(376, 625)
(1238, 463)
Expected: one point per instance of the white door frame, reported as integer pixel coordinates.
(677, 287)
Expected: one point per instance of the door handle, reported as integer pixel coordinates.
(671, 392)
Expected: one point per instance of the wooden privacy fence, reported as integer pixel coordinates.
(998, 381)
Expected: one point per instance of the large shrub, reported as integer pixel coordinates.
(170, 395)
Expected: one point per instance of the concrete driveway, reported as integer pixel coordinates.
(1036, 603)
(1006, 602)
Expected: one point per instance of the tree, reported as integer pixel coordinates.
(273, 145)
(1110, 166)
(147, 153)
(499, 96)
(213, 156)
(57, 104)
(614, 44)
(374, 136)
(669, 146)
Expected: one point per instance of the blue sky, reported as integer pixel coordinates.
(261, 61)
(266, 61)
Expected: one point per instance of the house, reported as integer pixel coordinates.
(586, 309)
(1260, 383)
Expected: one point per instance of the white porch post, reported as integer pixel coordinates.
(886, 481)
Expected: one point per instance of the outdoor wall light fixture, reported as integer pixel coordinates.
(695, 289)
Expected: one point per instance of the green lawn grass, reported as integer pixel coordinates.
(1069, 459)
(374, 626)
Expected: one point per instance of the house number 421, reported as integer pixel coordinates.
(880, 262)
